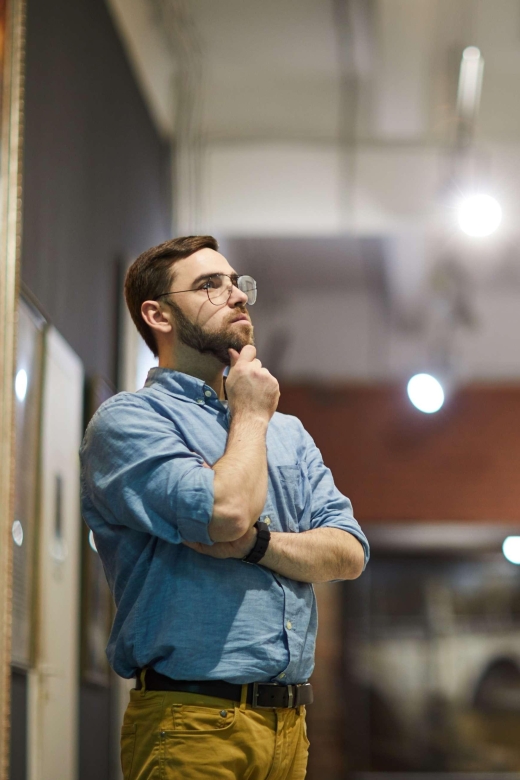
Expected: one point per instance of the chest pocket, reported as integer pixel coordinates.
(291, 485)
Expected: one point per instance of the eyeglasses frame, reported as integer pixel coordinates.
(233, 278)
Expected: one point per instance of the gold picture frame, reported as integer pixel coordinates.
(12, 46)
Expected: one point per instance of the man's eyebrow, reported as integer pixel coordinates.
(208, 276)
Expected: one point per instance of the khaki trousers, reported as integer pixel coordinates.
(169, 735)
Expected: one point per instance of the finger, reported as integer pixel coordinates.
(248, 354)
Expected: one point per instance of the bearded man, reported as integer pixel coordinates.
(213, 515)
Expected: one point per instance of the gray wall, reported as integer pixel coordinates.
(96, 183)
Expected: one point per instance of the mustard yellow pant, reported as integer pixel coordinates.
(168, 735)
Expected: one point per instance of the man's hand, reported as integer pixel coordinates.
(237, 549)
(250, 388)
(240, 484)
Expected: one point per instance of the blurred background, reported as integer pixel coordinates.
(361, 159)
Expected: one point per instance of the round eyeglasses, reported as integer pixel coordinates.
(220, 286)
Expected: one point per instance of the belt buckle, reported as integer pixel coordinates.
(291, 690)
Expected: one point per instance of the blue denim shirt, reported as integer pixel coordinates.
(145, 490)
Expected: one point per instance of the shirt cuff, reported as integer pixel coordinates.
(194, 508)
(355, 531)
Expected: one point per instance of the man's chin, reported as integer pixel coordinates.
(235, 342)
(240, 340)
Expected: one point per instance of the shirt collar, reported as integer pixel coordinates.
(180, 385)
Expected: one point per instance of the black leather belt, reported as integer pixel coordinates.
(258, 694)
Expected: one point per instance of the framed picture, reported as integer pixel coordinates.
(28, 402)
(12, 16)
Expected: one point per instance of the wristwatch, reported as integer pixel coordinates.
(261, 544)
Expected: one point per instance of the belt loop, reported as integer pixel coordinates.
(243, 697)
(142, 677)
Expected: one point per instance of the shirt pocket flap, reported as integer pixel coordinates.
(292, 493)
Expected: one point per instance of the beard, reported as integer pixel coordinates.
(206, 342)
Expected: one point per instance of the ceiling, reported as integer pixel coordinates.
(317, 139)
(292, 69)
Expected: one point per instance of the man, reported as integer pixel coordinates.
(213, 515)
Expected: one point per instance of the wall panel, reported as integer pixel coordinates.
(396, 463)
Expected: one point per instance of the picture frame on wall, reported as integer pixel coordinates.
(28, 386)
(12, 43)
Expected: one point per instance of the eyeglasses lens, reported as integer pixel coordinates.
(220, 289)
(248, 285)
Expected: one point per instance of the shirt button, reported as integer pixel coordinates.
(267, 520)
(289, 625)
(200, 400)
(208, 393)
(281, 676)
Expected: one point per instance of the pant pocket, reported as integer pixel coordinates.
(197, 719)
(127, 750)
(206, 747)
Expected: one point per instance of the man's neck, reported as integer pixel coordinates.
(205, 367)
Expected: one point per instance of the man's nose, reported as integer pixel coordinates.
(237, 297)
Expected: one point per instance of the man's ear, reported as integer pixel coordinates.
(155, 317)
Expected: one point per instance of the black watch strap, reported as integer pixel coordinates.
(262, 543)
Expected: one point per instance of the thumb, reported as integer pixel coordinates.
(234, 355)
(247, 353)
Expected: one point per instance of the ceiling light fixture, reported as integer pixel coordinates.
(511, 549)
(479, 215)
(426, 393)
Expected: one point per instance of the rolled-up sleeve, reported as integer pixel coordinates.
(330, 508)
(137, 471)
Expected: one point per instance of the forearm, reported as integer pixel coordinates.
(240, 484)
(319, 555)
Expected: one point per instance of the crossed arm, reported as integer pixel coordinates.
(318, 555)
(240, 490)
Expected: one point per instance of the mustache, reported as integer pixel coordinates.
(239, 310)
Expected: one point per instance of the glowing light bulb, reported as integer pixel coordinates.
(479, 215)
(511, 549)
(426, 393)
(20, 384)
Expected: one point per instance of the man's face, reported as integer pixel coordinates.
(199, 323)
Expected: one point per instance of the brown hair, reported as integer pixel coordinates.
(150, 275)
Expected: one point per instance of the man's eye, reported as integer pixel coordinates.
(212, 284)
